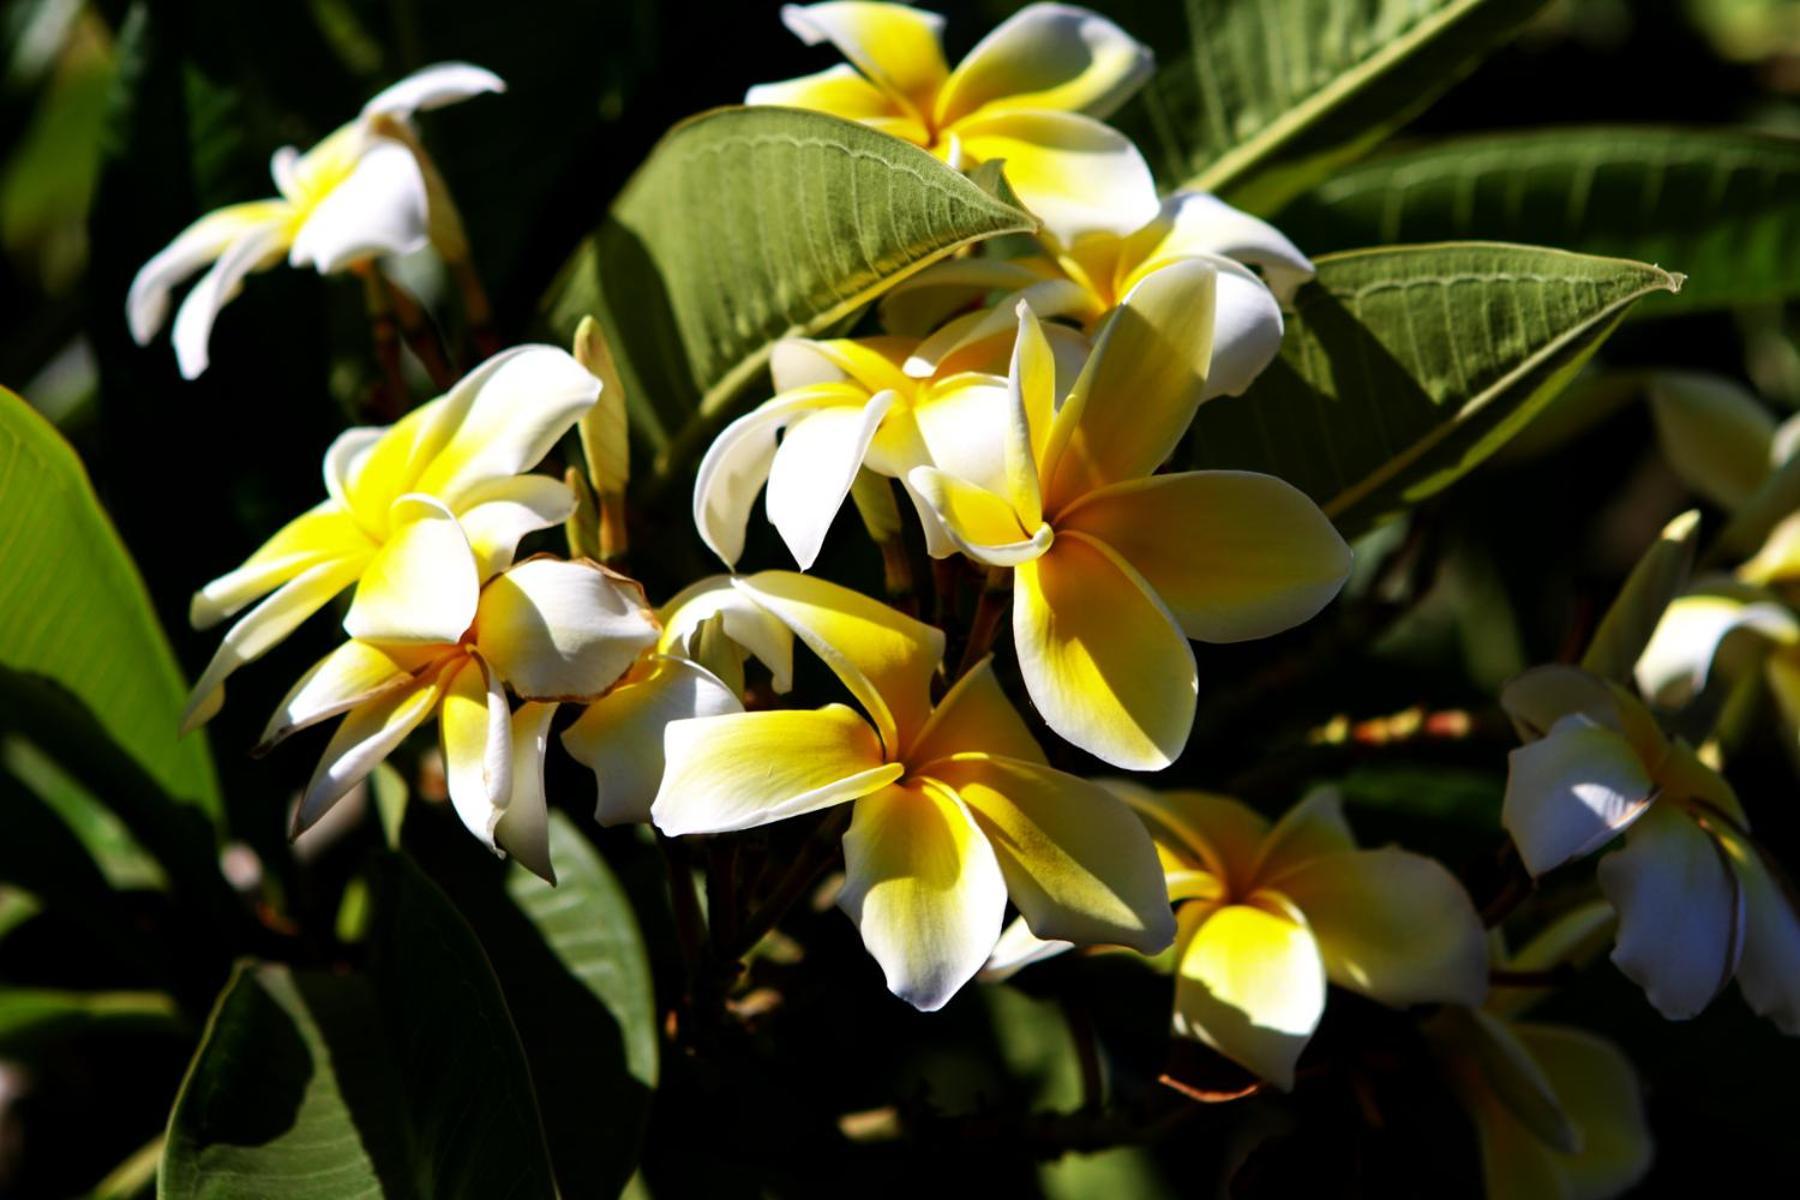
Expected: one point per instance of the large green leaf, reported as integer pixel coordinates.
(1722, 205)
(1406, 366)
(73, 610)
(1269, 96)
(747, 225)
(405, 1082)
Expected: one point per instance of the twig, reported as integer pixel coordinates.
(996, 594)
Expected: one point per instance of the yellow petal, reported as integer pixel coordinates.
(1195, 223)
(1216, 833)
(922, 884)
(748, 769)
(982, 525)
(562, 630)
(1031, 390)
(974, 717)
(1077, 863)
(475, 725)
(962, 421)
(872, 364)
(1102, 658)
(1074, 174)
(620, 736)
(1311, 829)
(1235, 555)
(523, 829)
(350, 675)
(368, 734)
(1250, 984)
(843, 92)
(1394, 926)
(895, 45)
(1778, 559)
(1137, 395)
(885, 658)
(423, 584)
(326, 532)
(1050, 56)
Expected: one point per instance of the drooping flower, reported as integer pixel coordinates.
(1114, 566)
(1267, 915)
(695, 669)
(1698, 900)
(955, 810)
(1033, 93)
(1086, 280)
(418, 515)
(550, 630)
(360, 193)
(845, 404)
(1558, 1111)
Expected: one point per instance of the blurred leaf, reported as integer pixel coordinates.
(587, 971)
(1037, 1046)
(405, 1082)
(1721, 205)
(391, 794)
(1717, 438)
(73, 609)
(747, 225)
(1406, 366)
(133, 1178)
(1270, 96)
(1122, 1171)
(121, 859)
(1656, 580)
(1442, 794)
(31, 1016)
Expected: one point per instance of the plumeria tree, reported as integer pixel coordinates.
(1020, 602)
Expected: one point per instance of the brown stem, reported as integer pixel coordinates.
(690, 925)
(390, 395)
(808, 862)
(477, 311)
(615, 540)
(996, 594)
(1550, 977)
(1513, 891)
(421, 335)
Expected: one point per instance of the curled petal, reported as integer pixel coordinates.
(737, 465)
(976, 521)
(813, 469)
(147, 303)
(254, 249)
(368, 734)
(1198, 223)
(1572, 792)
(475, 724)
(746, 622)
(562, 630)
(1048, 56)
(353, 674)
(433, 87)
(894, 45)
(498, 513)
(523, 830)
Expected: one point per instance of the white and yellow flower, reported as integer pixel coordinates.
(954, 811)
(845, 404)
(1557, 1111)
(1086, 280)
(551, 631)
(1033, 93)
(695, 669)
(360, 193)
(417, 516)
(1114, 566)
(1698, 900)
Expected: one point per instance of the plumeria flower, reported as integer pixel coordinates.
(1558, 1112)
(417, 516)
(552, 631)
(1032, 93)
(1116, 567)
(695, 669)
(954, 810)
(362, 192)
(1086, 280)
(1267, 915)
(1697, 899)
(842, 405)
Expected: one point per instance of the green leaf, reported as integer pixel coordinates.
(404, 1082)
(1405, 366)
(747, 225)
(1269, 96)
(1722, 205)
(581, 965)
(74, 611)
(121, 859)
(31, 1016)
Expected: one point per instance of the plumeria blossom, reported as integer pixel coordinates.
(1116, 567)
(1266, 915)
(1086, 279)
(362, 192)
(1698, 901)
(955, 810)
(695, 669)
(552, 631)
(417, 516)
(845, 404)
(1558, 1111)
(1033, 93)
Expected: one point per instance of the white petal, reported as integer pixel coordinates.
(1681, 912)
(1246, 331)
(1676, 663)
(735, 468)
(368, 734)
(747, 623)
(1017, 949)
(1202, 222)
(562, 630)
(500, 512)
(523, 830)
(1769, 972)
(1571, 792)
(147, 303)
(194, 320)
(433, 87)
(813, 469)
(379, 208)
(353, 674)
(476, 729)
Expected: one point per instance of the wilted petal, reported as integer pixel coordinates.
(1571, 792)
(924, 888)
(748, 769)
(558, 630)
(1102, 658)
(1048, 56)
(353, 674)
(1250, 984)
